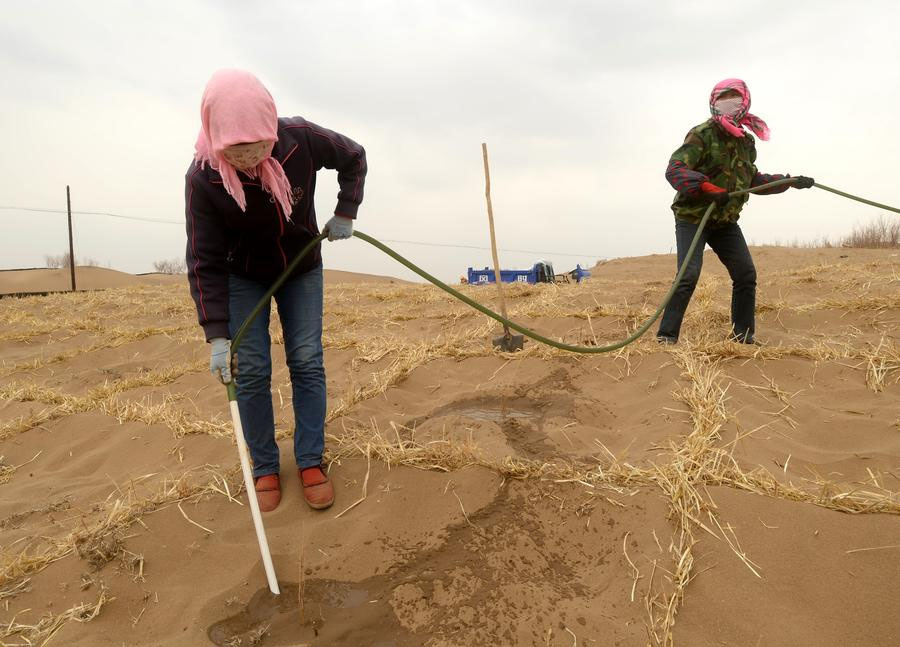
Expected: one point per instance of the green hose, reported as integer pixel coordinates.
(530, 333)
(857, 198)
(264, 302)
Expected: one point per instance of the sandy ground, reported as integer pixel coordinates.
(99, 278)
(707, 493)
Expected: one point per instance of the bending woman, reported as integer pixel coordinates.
(249, 208)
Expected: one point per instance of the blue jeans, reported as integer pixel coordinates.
(300, 310)
(727, 241)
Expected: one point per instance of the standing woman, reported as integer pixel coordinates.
(719, 157)
(250, 210)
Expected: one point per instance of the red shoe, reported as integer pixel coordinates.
(317, 489)
(268, 492)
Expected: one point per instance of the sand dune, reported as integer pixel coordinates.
(97, 278)
(86, 278)
(703, 494)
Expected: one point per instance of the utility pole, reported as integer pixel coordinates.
(71, 246)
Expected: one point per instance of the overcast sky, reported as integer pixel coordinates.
(581, 104)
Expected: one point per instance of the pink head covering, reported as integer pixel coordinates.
(733, 124)
(237, 109)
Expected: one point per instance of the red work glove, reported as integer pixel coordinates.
(714, 193)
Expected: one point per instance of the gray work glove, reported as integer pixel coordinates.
(219, 364)
(338, 228)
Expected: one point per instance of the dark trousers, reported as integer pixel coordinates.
(727, 241)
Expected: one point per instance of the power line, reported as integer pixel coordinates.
(387, 240)
(95, 213)
(520, 251)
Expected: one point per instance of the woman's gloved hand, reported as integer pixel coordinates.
(219, 364)
(338, 228)
(714, 193)
(802, 182)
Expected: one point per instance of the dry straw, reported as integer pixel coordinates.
(42, 632)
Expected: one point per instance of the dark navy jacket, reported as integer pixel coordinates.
(258, 244)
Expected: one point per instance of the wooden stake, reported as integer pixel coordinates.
(490, 210)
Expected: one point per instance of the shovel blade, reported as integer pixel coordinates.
(509, 343)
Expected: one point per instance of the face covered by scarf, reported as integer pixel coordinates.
(239, 127)
(245, 157)
(732, 112)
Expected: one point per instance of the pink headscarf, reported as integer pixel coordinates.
(733, 124)
(237, 109)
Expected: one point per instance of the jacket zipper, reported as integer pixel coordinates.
(280, 234)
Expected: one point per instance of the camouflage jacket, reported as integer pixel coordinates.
(709, 154)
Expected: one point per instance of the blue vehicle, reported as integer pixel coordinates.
(541, 272)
